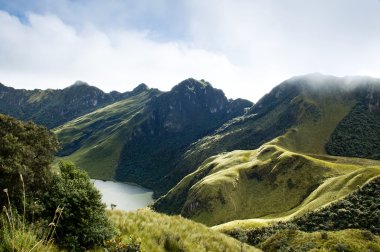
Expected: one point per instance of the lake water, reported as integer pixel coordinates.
(125, 196)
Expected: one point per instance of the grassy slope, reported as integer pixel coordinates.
(159, 232)
(270, 182)
(97, 138)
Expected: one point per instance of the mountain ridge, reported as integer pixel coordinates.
(53, 107)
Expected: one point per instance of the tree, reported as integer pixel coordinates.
(84, 223)
(27, 149)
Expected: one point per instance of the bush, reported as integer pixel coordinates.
(26, 153)
(84, 223)
(27, 149)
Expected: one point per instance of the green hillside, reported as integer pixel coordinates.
(53, 107)
(286, 177)
(159, 232)
(94, 141)
(270, 182)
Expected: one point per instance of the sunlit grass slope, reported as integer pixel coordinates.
(268, 183)
(159, 232)
(94, 141)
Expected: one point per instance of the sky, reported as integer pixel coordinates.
(244, 47)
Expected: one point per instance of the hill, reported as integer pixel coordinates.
(268, 183)
(140, 138)
(53, 107)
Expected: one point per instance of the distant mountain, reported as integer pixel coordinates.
(141, 138)
(309, 117)
(54, 107)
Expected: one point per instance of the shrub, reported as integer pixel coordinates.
(84, 223)
(27, 149)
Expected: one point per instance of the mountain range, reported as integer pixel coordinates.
(312, 141)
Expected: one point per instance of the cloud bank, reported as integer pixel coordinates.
(243, 47)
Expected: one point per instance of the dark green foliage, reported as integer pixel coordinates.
(26, 149)
(54, 107)
(83, 223)
(357, 135)
(359, 210)
(169, 124)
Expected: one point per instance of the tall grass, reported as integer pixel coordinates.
(159, 233)
(17, 235)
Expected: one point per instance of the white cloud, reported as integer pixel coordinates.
(243, 47)
(46, 53)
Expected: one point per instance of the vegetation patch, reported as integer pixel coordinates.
(357, 135)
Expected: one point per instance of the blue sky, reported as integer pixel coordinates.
(244, 47)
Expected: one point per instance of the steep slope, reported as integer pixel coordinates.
(302, 113)
(95, 141)
(139, 139)
(358, 134)
(54, 107)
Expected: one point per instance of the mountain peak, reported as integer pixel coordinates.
(79, 83)
(192, 85)
(140, 88)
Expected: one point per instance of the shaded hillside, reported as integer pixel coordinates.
(358, 134)
(140, 138)
(54, 107)
(169, 124)
(270, 182)
(95, 141)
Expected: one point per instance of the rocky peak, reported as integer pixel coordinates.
(140, 88)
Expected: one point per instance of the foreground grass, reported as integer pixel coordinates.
(159, 232)
(23, 240)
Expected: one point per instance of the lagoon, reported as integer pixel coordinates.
(125, 196)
